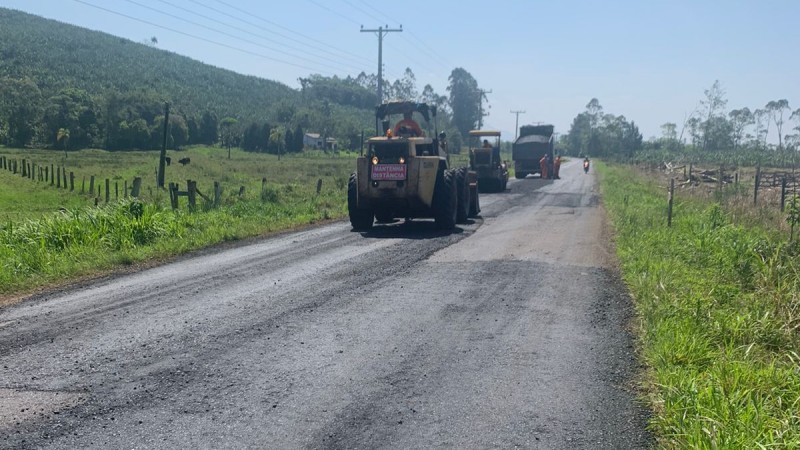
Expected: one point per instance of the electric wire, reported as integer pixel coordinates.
(424, 48)
(232, 36)
(343, 65)
(183, 33)
(344, 17)
(349, 19)
(342, 52)
(363, 11)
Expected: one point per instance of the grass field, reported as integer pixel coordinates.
(718, 300)
(208, 164)
(50, 235)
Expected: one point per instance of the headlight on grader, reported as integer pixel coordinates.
(375, 160)
(402, 160)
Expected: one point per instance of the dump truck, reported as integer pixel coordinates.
(485, 161)
(534, 142)
(404, 175)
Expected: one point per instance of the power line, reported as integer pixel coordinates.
(343, 65)
(349, 54)
(432, 54)
(337, 13)
(381, 33)
(349, 19)
(366, 12)
(231, 35)
(410, 58)
(260, 55)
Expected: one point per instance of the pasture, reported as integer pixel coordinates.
(50, 235)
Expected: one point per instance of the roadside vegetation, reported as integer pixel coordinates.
(718, 301)
(50, 235)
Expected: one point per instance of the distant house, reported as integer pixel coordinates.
(315, 141)
(330, 144)
(312, 140)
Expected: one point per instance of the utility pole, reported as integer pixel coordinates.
(516, 127)
(480, 101)
(381, 32)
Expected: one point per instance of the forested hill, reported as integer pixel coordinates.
(59, 55)
(108, 92)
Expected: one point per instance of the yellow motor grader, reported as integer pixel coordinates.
(404, 175)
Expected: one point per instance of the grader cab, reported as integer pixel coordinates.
(404, 175)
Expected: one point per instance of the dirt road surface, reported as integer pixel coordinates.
(508, 333)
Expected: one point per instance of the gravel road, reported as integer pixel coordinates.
(510, 332)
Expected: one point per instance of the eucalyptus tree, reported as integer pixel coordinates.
(712, 106)
(740, 119)
(775, 109)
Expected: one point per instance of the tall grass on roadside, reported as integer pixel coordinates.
(719, 309)
(82, 241)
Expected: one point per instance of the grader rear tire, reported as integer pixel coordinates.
(462, 186)
(445, 199)
(360, 218)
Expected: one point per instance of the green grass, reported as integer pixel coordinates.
(719, 310)
(49, 235)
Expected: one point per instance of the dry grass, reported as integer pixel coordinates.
(735, 198)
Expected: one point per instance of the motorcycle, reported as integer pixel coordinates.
(585, 166)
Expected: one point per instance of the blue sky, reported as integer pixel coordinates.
(648, 60)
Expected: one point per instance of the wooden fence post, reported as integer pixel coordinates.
(137, 185)
(783, 193)
(126, 189)
(191, 187)
(108, 190)
(52, 175)
(64, 175)
(58, 181)
(91, 185)
(217, 194)
(721, 175)
(755, 189)
(263, 187)
(173, 195)
(669, 201)
(319, 185)
(116, 190)
(71, 181)
(83, 185)
(24, 169)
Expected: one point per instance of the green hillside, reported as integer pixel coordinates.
(107, 92)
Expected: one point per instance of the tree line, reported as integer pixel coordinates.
(710, 133)
(740, 134)
(598, 134)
